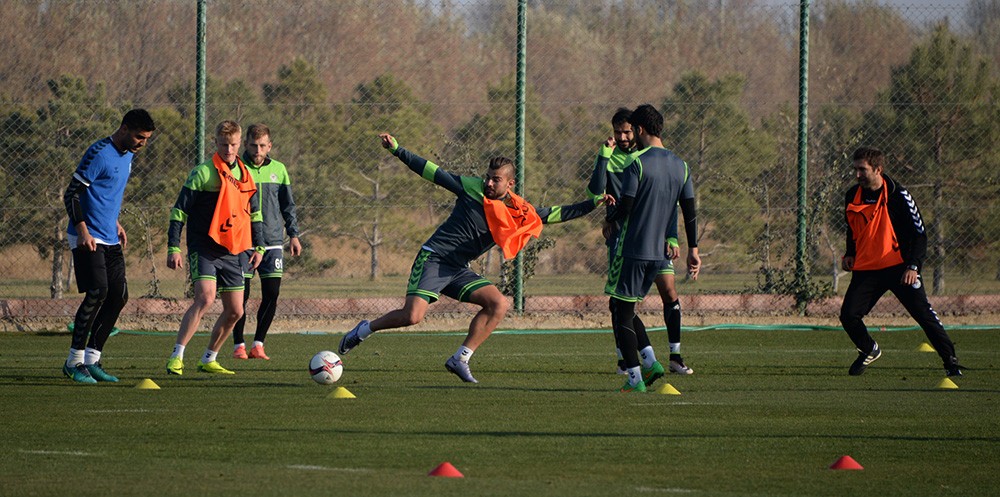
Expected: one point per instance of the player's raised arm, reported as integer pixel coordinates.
(425, 168)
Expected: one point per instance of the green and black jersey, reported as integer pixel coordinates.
(465, 235)
(658, 180)
(277, 206)
(609, 172)
(195, 207)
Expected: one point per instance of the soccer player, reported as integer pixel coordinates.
(219, 202)
(609, 170)
(93, 201)
(655, 181)
(277, 208)
(886, 247)
(487, 212)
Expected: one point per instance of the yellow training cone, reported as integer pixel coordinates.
(341, 393)
(147, 384)
(925, 347)
(947, 383)
(667, 389)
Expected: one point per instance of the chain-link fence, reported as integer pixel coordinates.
(919, 81)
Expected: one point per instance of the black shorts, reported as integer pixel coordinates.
(95, 270)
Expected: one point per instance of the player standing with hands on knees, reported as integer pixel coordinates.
(93, 201)
(487, 212)
(220, 205)
(886, 247)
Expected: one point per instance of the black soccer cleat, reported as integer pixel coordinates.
(864, 360)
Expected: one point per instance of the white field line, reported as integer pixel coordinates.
(114, 411)
(665, 490)
(308, 467)
(57, 452)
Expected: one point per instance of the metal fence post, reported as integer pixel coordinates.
(801, 269)
(199, 96)
(522, 6)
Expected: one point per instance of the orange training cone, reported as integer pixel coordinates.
(846, 462)
(446, 470)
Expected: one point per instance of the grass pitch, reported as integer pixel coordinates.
(765, 414)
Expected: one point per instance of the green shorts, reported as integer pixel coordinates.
(225, 270)
(271, 265)
(432, 277)
(630, 279)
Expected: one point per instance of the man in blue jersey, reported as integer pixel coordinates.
(93, 201)
(486, 209)
(656, 181)
(277, 208)
(609, 170)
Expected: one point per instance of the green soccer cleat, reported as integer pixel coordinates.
(78, 373)
(629, 388)
(175, 365)
(213, 367)
(99, 374)
(653, 373)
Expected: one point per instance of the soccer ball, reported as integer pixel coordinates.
(326, 367)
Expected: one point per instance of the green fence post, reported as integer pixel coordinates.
(801, 265)
(522, 30)
(199, 95)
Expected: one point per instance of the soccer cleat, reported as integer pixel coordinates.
(864, 360)
(240, 352)
(461, 369)
(629, 387)
(677, 365)
(351, 339)
(257, 352)
(954, 369)
(213, 367)
(175, 365)
(99, 374)
(652, 373)
(78, 373)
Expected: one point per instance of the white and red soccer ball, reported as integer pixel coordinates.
(326, 367)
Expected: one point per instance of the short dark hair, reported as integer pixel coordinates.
(647, 117)
(873, 156)
(256, 131)
(621, 116)
(499, 163)
(138, 119)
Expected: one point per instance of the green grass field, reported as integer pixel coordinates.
(765, 414)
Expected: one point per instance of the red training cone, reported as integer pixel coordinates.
(446, 470)
(846, 462)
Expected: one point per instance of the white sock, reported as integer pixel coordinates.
(210, 355)
(92, 356)
(675, 348)
(365, 330)
(75, 357)
(256, 343)
(178, 351)
(634, 375)
(238, 346)
(647, 356)
(463, 354)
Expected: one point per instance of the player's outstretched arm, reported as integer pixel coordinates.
(425, 168)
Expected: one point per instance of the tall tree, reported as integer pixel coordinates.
(938, 122)
(41, 152)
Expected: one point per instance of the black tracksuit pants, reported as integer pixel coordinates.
(865, 290)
